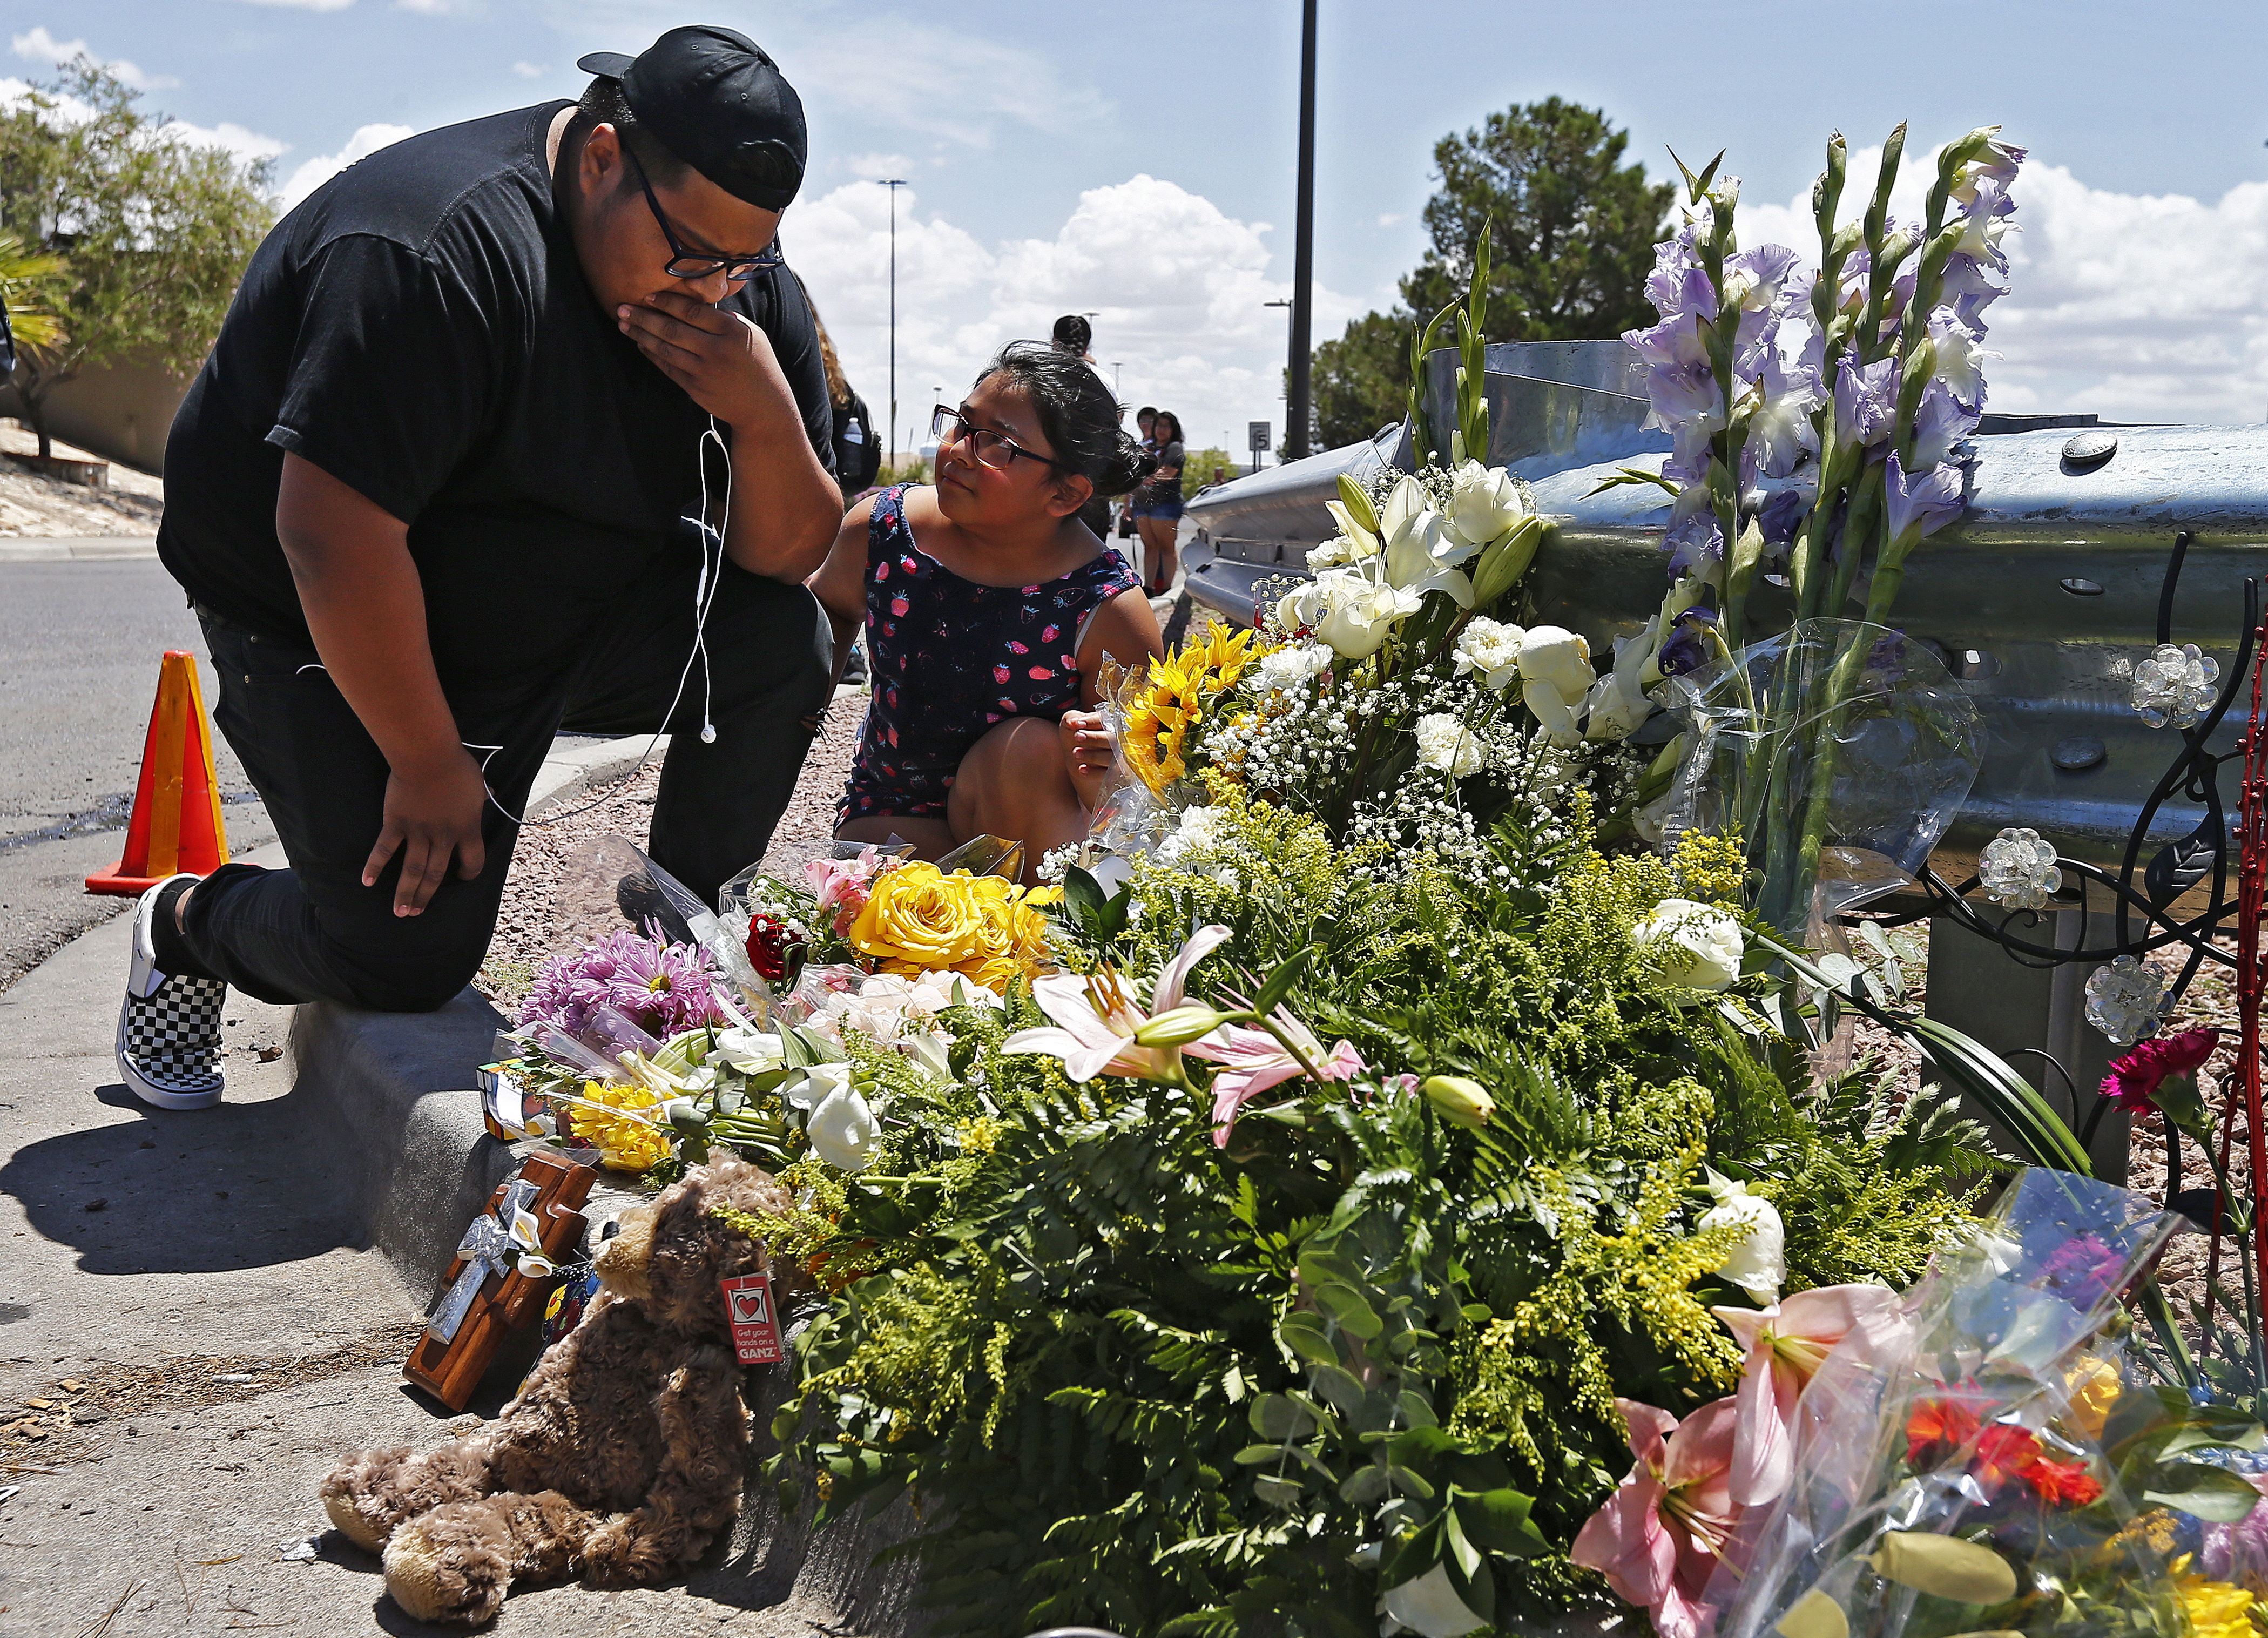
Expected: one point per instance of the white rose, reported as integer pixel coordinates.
(843, 1131)
(1362, 613)
(1700, 945)
(1483, 501)
(1444, 744)
(814, 1086)
(1491, 648)
(1758, 1263)
(1331, 554)
(1553, 654)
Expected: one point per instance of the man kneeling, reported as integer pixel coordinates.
(429, 498)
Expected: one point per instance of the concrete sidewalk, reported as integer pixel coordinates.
(68, 548)
(200, 1312)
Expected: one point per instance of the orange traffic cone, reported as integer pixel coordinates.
(176, 823)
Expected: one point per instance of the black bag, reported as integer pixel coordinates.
(857, 452)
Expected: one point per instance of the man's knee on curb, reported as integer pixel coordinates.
(408, 963)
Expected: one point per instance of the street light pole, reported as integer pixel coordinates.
(1296, 409)
(894, 183)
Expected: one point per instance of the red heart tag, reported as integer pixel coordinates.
(756, 1326)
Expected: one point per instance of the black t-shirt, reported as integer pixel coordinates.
(1166, 491)
(420, 327)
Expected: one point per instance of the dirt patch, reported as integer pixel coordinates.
(527, 930)
(34, 505)
(44, 1431)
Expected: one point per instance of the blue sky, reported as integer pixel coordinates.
(1137, 159)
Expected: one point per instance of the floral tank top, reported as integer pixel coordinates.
(951, 658)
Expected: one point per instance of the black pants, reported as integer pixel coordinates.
(313, 932)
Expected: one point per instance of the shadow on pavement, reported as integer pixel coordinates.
(241, 1185)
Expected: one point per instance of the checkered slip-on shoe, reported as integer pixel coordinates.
(168, 1028)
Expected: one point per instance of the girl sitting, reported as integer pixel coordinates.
(989, 608)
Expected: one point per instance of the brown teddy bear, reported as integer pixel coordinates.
(621, 1457)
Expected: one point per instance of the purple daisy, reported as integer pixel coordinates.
(663, 988)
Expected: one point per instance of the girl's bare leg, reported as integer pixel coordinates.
(933, 838)
(1016, 782)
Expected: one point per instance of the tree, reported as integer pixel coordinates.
(154, 229)
(1361, 380)
(1573, 239)
(1574, 227)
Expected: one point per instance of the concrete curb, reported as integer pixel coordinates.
(57, 549)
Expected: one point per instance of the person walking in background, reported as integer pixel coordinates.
(1157, 506)
(857, 452)
(989, 610)
(1075, 336)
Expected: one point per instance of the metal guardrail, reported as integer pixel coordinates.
(2041, 599)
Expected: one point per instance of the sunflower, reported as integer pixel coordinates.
(1172, 705)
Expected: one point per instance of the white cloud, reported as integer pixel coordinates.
(966, 89)
(42, 46)
(1390, 217)
(306, 5)
(439, 8)
(1177, 287)
(530, 71)
(69, 109)
(873, 167)
(245, 144)
(312, 173)
(2136, 306)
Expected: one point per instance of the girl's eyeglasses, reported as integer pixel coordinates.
(994, 449)
(685, 263)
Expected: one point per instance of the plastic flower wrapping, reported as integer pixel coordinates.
(1996, 1459)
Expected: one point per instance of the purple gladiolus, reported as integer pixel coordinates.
(1694, 541)
(1684, 393)
(1866, 401)
(1675, 342)
(1687, 648)
(1923, 504)
(1782, 515)
(1939, 424)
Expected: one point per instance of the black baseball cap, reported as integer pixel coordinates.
(712, 97)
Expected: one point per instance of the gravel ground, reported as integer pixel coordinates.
(525, 927)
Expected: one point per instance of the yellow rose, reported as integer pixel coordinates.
(920, 918)
(2093, 1384)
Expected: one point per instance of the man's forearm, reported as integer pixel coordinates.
(365, 609)
(785, 509)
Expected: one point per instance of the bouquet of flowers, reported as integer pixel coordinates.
(1992, 1459)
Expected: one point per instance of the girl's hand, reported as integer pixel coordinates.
(1089, 752)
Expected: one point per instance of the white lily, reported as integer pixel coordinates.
(1421, 554)
(527, 1239)
(811, 1087)
(1359, 542)
(1097, 1015)
(1616, 703)
(751, 1051)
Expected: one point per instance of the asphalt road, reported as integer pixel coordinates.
(79, 647)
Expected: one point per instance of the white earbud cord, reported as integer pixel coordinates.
(705, 594)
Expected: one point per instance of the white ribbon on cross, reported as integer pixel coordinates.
(487, 1243)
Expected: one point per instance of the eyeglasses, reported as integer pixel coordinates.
(685, 263)
(994, 449)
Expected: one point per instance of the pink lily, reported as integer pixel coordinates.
(1787, 1344)
(1099, 1013)
(1256, 1060)
(1660, 1536)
